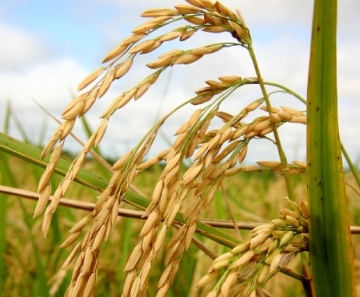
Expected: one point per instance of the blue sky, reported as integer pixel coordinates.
(49, 46)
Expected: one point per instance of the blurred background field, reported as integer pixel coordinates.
(30, 263)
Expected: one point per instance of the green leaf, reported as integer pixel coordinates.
(32, 154)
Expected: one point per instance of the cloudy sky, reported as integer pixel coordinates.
(47, 47)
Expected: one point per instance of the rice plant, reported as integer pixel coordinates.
(216, 143)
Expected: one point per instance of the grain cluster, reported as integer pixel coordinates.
(216, 154)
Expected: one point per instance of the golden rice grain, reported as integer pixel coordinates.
(196, 3)
(46, 221)
(274, 117)
(187, 58)
(209, 19)
(261, 125)
(192, 173)
(90, 78)
(114, 213)
(134, 257)
(202, 99)
(214, 29)
(144, 273)
(185, 126)
(128, 282)
(142, 46)
(304, 209)
(292, 221)
(150, 25)
(74, 111)
(45, 178)
(187, 9)
(99, 238)
(170, 36)
(90, 285)
(186, 35)
(266, 131)
(157, 191)
(286, 238)
(147, 164)
(150, 222)
(246, 257)
(100, 220)
(87, 262)
(258, 239)
(43, 200)
(301, 164)
(71, 257)
(141, 90)
(123, 68)
(218, 265)
(116, 52)
(189, 235)
(70, 239)
(70, 106)
(226, 117)
(192, 147)
(300, 119)
(160, 238)
(162, 292)
(212, 293)
(240, 248)
(207, 278)
(68, 126)
(224, 10)
(263, 274)
(269, 164)
(172, 213)
(230, 79)
(275, 263)
(172, 162)
(227, 256)
(105, 85)
(208, 4)
(77, 291)
(159, 12)
(228, 284)
(180, 140)
(135, 287)
(241, 131)
(240, 32)
(165, 276)
(154, 46)
(132, 39)
(284, 115)
(254, 105)
(147, 239)
(294, 112)
(194, 20)
(161, 62)
(101, 131)
(172, 174)
(174, 252)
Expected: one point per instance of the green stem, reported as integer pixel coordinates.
(331, 253)
(276, 134)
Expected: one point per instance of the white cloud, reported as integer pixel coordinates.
(19, 48)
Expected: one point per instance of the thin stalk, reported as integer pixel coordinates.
(351, 164)
(331, 252)
(276, 134)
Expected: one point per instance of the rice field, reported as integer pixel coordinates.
(30, 264)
